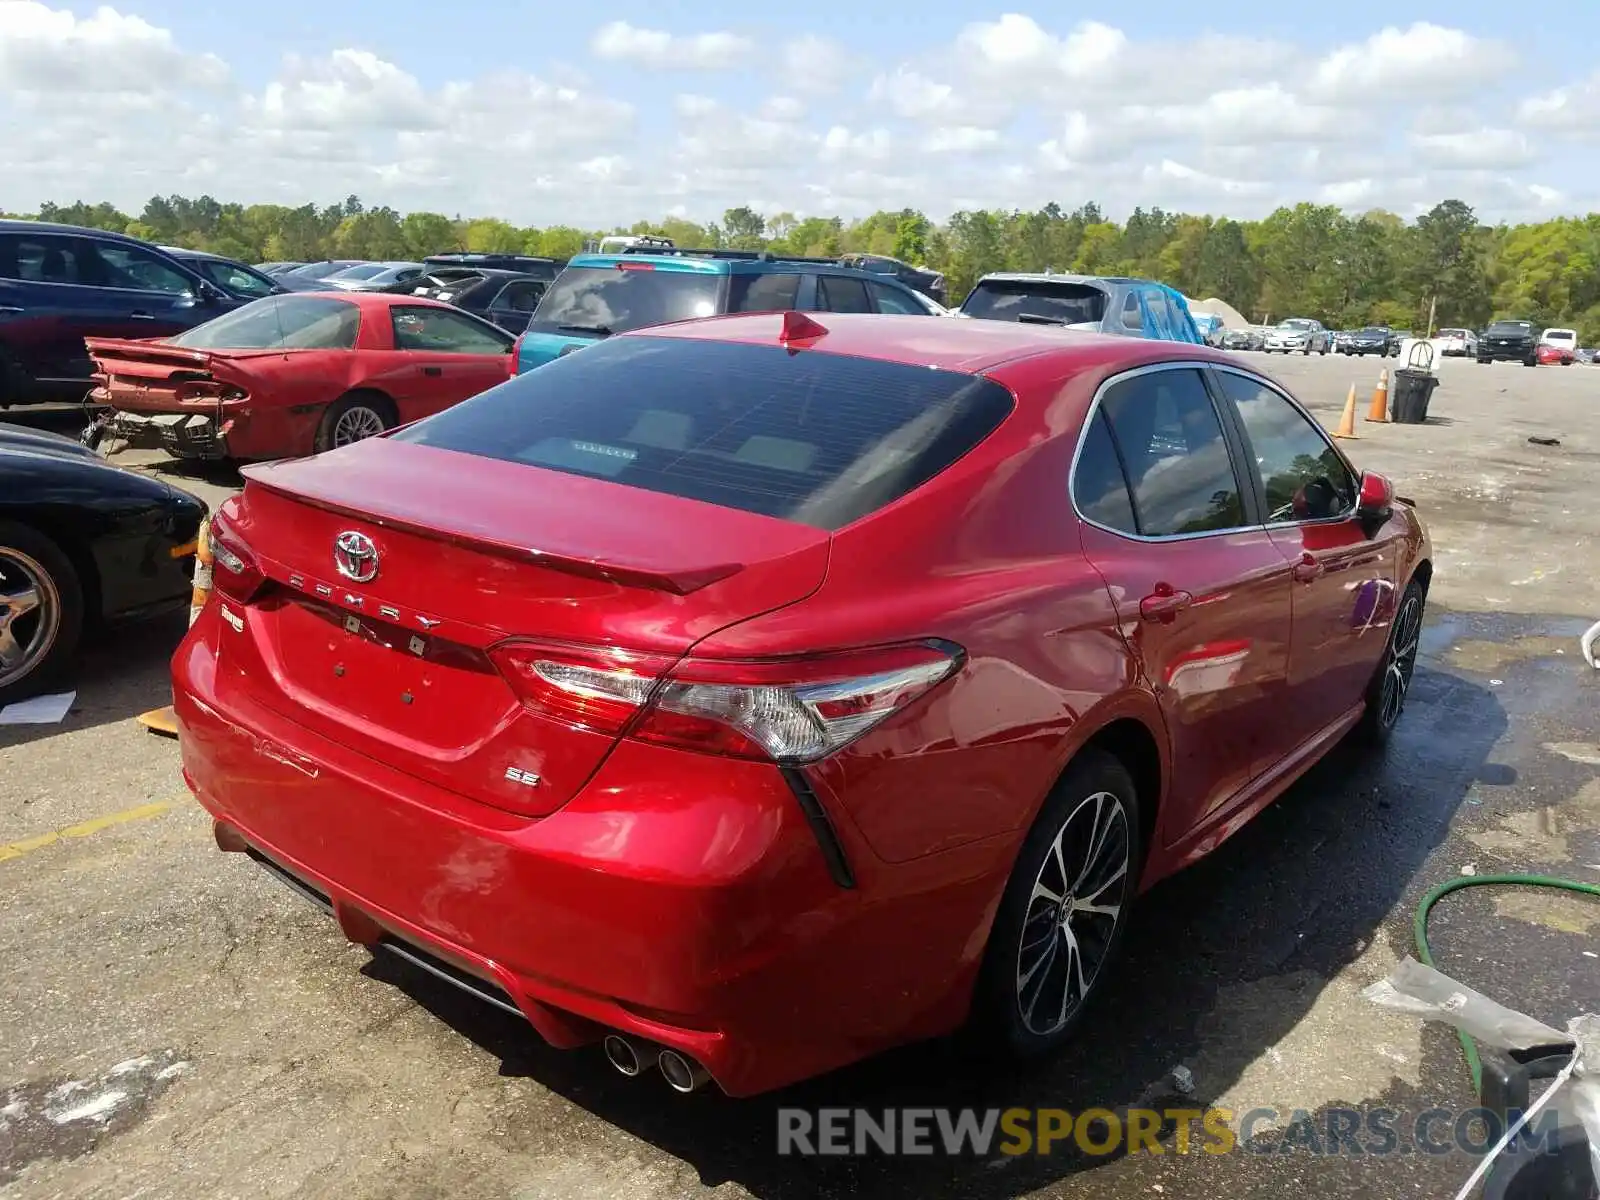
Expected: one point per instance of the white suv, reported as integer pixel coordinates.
(1457, 343)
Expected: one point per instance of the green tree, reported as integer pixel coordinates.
(911, 237)
(745, 228)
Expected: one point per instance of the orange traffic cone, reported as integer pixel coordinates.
(1347, 423)
(1380, 398)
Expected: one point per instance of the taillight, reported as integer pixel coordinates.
(516, 353)
(234, 572)
(793, 710)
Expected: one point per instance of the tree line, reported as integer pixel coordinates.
(1310, 260)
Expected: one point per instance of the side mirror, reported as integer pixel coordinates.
(1376, 502)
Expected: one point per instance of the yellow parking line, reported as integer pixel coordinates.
(84, 829)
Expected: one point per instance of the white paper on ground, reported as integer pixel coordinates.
(41, 710)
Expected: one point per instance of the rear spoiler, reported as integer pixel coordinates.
(132, 358)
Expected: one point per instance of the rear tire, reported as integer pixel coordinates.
(1391, 682)
(353, 418)
(1064, 912)
(41, 611)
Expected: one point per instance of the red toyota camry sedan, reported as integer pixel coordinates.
(752, 694)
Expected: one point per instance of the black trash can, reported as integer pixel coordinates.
(1413, 388)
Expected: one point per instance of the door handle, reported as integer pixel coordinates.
(1164, 603)
(433, 370)
(1308, 568)
(141, 315)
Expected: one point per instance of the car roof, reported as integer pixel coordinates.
(366, 300)
(185, 252)
(690, 263)
(22, 225)
(1058, 277)
(970, 346)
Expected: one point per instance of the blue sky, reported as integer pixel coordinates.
(590, 116)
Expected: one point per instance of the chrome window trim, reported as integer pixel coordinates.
(1316, 425)
(1200, 365)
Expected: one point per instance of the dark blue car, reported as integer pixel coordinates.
(60, 284)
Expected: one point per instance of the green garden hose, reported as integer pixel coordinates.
(1419, 926)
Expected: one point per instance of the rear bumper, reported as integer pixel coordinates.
(181, 434)
(677, 898)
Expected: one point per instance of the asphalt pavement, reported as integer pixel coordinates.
(173, 1023)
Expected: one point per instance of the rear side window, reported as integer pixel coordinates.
(292, 322)
(1178, 464)
(770, 292)
(1037, 300)
(893, 300)
(839, 294)
(616, 299)
(44, 259)
(821, 439)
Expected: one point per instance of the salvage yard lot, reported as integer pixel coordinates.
(178, 1024)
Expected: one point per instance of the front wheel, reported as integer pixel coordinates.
(1391, 683)
(41, 611)
(1062, 918)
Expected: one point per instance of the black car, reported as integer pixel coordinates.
(1510, 341)
(1374, 339)
(82, 543)
(60, 284)
(527, 264)
(506, 298)
(930, 283)
(239, 281)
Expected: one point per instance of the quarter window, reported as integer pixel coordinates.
(1304, 477)
(1098, 484)
(1132, 318)
(1177, 459)
(843, 295)
(893, 300)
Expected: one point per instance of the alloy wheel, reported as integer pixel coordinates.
(1073, 912)
(355, 423)
(1399, 661)
(30, 614)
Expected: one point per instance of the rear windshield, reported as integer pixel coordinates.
(1511, 327)
(617, 299)
(290, 322)
(1560, 335)
(1012, 299)
(821, 439)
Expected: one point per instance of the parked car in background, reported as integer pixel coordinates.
(1090, 303)
(1510, 341)
(1564, 340)
(507, 298)
(527, 264)
(374, 276)
(82, 543)
(1585, 354)
(673, 629)
(320, 272)
(1373, 339)
(274, 268)
(616, 243)
(919, 279)
(1550, 355)
(1252, 337)
(294, 374)
(239, 281)
(599, 295)
(1209, 326)
(1299, 333)
(60, 284)
(1457, 343)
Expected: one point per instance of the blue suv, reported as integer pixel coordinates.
(601, 294)
(60, 284)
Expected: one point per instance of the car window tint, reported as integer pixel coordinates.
(234, 279)
(843, 295)
(1098, 484)
(1177, 459)
(769, 292)
(290, 322)
(616, 299)
(821, 439)
(893, 300)
(42, 259)
(1132, 317)
(519, 297)
(419, 327)
(133, 269)
(1036, 299)
(1304, 477)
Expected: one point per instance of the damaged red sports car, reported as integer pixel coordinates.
(291, 375)
(753, 694)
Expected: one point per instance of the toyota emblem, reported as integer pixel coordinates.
(355, 556)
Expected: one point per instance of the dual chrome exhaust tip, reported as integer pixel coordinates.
(633, 1058)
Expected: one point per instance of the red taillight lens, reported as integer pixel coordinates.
(234, 570)
(516, 353)
(793, 710)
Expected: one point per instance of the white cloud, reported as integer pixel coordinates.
(52, 50)
(1013, 111)
(622, 42)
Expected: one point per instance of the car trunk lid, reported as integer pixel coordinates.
(152, 376)
(470, 552)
